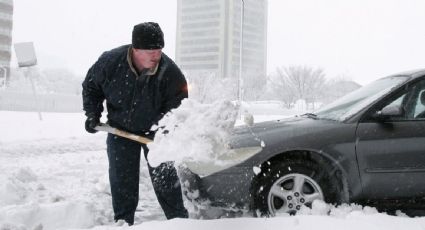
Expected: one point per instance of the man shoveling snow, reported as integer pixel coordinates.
(140, 84)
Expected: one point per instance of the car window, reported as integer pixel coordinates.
(397, 101)
(411, 100)
(419, 112)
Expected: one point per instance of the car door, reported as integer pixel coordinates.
(391, 152)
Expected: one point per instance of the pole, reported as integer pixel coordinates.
(3, 81)
(37, 104)
(241, 53)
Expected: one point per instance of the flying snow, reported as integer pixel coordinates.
(193, 132)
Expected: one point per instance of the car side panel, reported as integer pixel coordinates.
(392, 159)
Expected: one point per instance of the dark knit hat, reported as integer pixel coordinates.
(147, 36)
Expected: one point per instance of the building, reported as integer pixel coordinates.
(209, 35)
(6, 23)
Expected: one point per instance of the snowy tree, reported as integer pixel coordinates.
(279, 88)
(46, 81)
(338, 87)
(254, 87)
(60, 80)
(297, 82)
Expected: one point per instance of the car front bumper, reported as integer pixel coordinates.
(225, 193)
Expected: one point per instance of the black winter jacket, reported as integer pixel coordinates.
(134, 101)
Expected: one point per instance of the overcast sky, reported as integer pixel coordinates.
(361, 39)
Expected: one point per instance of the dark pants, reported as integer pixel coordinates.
(124, 168)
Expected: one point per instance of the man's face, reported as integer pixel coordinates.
(147, 58)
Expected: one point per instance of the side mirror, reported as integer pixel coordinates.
(387, 112)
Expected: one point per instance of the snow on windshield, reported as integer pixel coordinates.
(353, 102)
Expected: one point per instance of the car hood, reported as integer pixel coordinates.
(262, 126)
(295, 133)
(278, 130)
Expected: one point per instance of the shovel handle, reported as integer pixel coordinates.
(107, 128)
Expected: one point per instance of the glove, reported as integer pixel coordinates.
(91, 122)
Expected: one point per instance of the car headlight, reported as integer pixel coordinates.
(223, 161)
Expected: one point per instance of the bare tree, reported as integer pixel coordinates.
(280, 88)
(298, 82)
(254, 87)
(338, 87)
(60, 80)
(46, 81)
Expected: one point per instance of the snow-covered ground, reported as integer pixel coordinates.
(53, 175)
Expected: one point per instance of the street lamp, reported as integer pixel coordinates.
(241, 53)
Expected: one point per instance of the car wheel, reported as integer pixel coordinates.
(287, 186)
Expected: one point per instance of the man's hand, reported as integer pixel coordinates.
(91, 122)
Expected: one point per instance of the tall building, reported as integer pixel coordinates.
(209, 35)
(6, 23)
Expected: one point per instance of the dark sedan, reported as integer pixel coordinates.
(367, 147)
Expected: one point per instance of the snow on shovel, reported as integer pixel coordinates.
(107, 128)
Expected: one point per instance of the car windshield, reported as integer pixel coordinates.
(353, 102)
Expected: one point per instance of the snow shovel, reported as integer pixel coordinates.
(107, 128)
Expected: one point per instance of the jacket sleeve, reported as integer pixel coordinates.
(175, 91)
(93, 95)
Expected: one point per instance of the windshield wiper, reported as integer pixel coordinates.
(310, 115)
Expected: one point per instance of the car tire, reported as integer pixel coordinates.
(285, 187)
